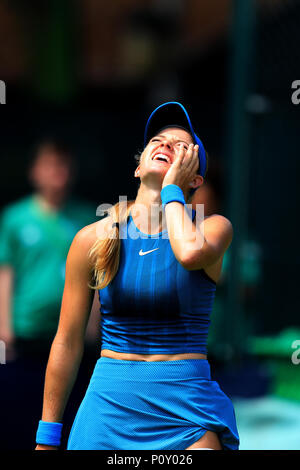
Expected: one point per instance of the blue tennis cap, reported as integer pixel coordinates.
(174, 114)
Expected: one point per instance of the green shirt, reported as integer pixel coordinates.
(35, 243)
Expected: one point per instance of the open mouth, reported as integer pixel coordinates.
(162, 158)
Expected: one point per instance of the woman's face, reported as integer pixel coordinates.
(161, 152)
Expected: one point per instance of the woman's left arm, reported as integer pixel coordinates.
(199, 245)
(195, 245)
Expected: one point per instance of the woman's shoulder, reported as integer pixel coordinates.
(79, 258)
(220, 224)
(88, 235)
(217, 219)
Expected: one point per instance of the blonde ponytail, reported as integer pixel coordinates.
(105, 253)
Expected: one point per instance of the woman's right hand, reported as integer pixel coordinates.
(44, 447)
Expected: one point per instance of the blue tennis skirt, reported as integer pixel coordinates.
(163, 405)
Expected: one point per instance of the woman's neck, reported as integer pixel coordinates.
(147, 210)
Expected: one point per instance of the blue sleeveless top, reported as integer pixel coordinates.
(154, 305)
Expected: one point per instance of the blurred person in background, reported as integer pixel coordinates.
(35, 235)
(211, 194)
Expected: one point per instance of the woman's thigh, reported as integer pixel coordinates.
(210, 440)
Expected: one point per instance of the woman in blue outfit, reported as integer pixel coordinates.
(156, 265)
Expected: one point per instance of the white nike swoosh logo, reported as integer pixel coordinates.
(142, 253)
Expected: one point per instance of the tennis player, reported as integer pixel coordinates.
(156, 268)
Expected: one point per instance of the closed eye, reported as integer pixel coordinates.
(185, 146)
(177, 144)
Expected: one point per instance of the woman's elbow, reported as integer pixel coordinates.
(68, 342)
(190, 260)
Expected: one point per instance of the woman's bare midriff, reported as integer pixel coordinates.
(150, 357)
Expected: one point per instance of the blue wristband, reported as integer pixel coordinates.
(49, 433)
(171, 193)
